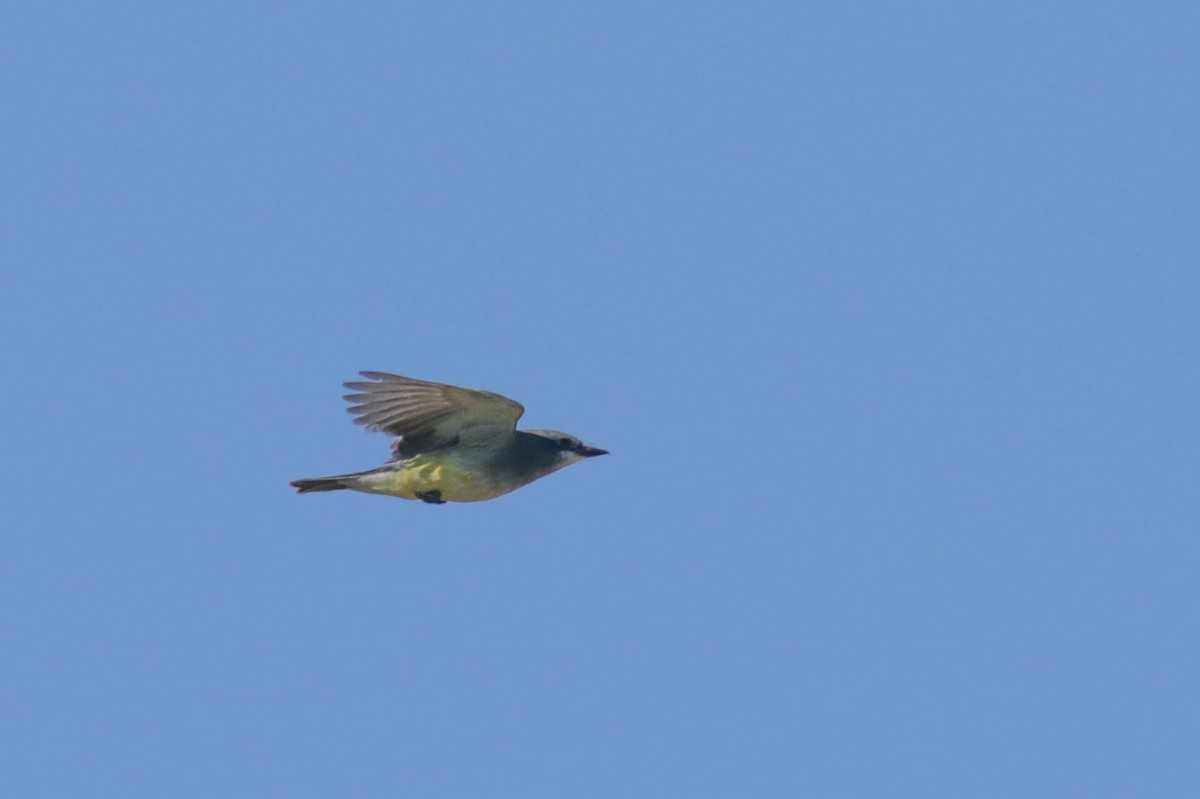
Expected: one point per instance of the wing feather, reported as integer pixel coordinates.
(424, 415)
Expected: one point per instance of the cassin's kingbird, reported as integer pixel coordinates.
(452, 444)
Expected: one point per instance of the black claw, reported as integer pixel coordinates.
(432, 497)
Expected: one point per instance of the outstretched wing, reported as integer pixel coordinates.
(425, 416)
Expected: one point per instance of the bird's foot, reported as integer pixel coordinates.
(432, 497)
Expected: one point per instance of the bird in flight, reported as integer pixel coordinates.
(451, 444)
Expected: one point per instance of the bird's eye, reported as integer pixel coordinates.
(565, 443)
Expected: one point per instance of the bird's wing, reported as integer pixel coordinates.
(426, 415)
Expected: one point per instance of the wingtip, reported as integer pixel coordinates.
(370, 376)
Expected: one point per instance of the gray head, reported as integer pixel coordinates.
(563, 447)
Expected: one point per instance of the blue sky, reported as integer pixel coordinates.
(887, 313)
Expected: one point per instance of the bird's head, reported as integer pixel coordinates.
(569, 448)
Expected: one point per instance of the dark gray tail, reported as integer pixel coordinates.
(322, 484)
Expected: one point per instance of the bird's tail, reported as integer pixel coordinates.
(336, 483)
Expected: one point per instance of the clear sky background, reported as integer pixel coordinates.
(887, 312)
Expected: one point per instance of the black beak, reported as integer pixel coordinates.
(591, 452)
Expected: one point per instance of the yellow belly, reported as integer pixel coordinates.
(423, 474)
